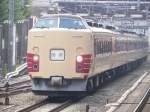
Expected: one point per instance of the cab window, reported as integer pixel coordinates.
(47, 23)
(71, 23)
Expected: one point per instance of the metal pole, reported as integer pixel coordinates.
(6, 93)
(87, 108)
(11, 38)
(138, 4)
(1, 64)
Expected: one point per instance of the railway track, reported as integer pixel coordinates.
(15, 92)
(143, 101)
(58, 108)
(15, 88)
(34, 106)
(15, 84)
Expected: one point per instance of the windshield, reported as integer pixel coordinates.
(71, 23)
(64, 22)
(47, 23)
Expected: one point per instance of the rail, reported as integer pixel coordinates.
(62, 106)
(142, 103)
(46, 101)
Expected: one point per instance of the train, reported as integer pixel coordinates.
(66, 55)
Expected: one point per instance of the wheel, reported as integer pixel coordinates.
(97, 82)
(90, 86)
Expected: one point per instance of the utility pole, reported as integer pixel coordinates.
(1, 64)
(11, 38)
(138, 4)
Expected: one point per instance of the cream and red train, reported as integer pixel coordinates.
(66, 56)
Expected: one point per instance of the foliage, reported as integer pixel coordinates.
(3, 10)
(27, 8)
(21, 11)
(18, 10)
(4, 70)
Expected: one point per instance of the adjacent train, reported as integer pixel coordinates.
(66, 56)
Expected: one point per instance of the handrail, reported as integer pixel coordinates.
(17, 71)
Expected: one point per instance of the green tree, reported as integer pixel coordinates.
(27, 8)
(21, 11)
(18, 11)
(3, 10)
(4, 70)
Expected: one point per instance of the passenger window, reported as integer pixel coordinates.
(111, 46)
(99, 45)
(101, 48)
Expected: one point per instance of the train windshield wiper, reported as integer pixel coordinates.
(41, 27)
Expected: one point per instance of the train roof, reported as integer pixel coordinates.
(61, 15)
(103, 30)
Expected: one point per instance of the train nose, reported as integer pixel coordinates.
(58, 51)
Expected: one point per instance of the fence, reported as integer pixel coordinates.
(22, 28)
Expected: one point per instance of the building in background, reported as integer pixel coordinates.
(133, 15)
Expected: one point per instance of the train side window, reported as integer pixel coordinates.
(89, 23)
(120, 45)
(101, 47)
(95, 24)
(111, 46)
(124, 45)
(96, 46)
(107, 46)
(117, 45)
(104, 46)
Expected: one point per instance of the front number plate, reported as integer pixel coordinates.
(57, 54)
(56, 81)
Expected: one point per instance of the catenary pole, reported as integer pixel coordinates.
(11, 38)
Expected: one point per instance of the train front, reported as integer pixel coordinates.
(59, 55)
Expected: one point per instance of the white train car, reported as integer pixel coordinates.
(66, 56)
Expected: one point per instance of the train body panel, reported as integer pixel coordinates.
(71, 43)
(103, 59)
